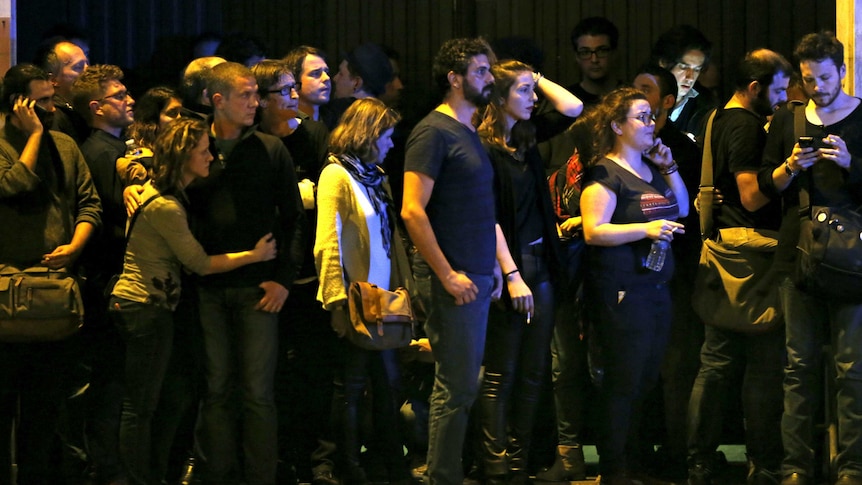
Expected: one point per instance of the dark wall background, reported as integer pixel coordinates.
(152, 36)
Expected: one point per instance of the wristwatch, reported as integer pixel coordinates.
(790, 171)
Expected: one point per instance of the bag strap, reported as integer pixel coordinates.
(799, 121)
(706, 179)
(136, 214)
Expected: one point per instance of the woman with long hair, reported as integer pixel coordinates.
(146, 294)
(153, 111)
(633, 197)
(357, 241)
(520, 328)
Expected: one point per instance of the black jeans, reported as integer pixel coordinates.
(382, 370)
(760, 359)
(35, 373)
(632, 315)
(516, 361)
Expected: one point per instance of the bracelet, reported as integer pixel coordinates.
(789, 171)
(672, 168)
(510, 273)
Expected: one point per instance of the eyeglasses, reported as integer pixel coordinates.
(118, 96)
(285, 91)
(645, 118)
(600, 52)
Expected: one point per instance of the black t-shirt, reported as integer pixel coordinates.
(830, 184)
(461, 206)
(638, 200)
(738, 139)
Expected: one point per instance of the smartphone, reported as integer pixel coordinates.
(812, 142)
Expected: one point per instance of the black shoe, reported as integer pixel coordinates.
(796, 479)
(324, 477)
(700, 474)
(845, 479)
(496, 480)
(520, 478)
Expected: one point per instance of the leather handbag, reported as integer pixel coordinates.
(735, 287)
(829, 263)
(39, 304)
(380, 319)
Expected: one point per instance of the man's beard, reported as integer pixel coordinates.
(761, 104)
(476, 97)
(827, 100)
(45, 117)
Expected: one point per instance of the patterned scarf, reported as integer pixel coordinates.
(372, 177)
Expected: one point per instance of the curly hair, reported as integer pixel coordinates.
(493, 128)
(614, 107)
(172, 151)
(91, 85)
(360, 127)
(454, 55)
(148, 110)
(818, 46)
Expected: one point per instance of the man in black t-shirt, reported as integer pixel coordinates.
(449, 213)
(738, 138)
(832, 175)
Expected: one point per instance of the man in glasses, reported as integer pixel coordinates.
(684, 51)
(595, 42)
(738, 139)
(99, 96)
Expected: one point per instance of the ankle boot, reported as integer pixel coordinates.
(568, 466)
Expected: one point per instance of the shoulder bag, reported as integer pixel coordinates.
(735, 287)
(383, 319)
(39, 304)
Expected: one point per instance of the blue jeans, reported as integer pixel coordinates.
(811, 323)
(633, 322)
(240, 354)
(516, 361)
(148, 332)
(725, 356)
(457, 337)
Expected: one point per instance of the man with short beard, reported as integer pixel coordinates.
(448, 210)
(738, 138)
(832, 176)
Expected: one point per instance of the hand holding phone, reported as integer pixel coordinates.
(24, 109)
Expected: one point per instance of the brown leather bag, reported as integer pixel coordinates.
(380, 319)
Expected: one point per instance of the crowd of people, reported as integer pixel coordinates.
(549, 235)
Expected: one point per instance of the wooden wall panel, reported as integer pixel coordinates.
(129, 32)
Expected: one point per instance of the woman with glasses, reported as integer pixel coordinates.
(630, 204)
(520, 327)
(143, 300)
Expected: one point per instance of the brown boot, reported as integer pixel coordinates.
(568, 466)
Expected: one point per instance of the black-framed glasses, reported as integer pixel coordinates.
(600, 52)
(118, 96)
(285, 91)
(645, 118)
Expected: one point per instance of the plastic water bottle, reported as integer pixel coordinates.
(132, 149)
(657, 254)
